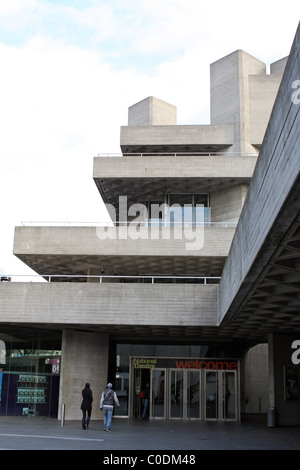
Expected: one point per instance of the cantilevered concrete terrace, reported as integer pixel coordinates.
(143, 178)
(123, 249)
(169, 139)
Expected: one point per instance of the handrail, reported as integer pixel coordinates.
(50, 277)
(126, 223)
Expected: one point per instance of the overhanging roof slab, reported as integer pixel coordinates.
(175, 138)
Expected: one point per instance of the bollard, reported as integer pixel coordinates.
(62, 414)
(271, 418)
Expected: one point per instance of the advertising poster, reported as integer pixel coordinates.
(291, 384)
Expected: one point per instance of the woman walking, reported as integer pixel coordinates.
(86, 405)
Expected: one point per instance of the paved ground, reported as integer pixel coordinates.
(35, 433)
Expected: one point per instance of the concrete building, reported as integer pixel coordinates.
(195, 277)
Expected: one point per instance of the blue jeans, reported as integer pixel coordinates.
(108, 412)
(146, 404)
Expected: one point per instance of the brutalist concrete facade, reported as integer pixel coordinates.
(147, 279)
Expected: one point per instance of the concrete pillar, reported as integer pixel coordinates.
(84, 359)
(229, 81)
(271, 414)
(257, 379)
(227, 204)
(271, 359)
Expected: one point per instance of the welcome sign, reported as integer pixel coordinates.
(184, 363)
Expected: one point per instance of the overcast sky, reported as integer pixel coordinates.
(71, 68)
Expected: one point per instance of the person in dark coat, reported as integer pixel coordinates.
(86, 405)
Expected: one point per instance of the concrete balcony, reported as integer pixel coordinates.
(126, 249)
(172, 138)
(122, 310)
(146, 177)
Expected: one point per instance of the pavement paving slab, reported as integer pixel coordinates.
(141, 438)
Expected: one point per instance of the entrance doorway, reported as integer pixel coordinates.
(221, 395)
(183, 393)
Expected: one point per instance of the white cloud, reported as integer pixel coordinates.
(59, 108)
(16, 6)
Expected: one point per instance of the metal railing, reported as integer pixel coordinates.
(179, 154)
(148, 223)
(79, 277)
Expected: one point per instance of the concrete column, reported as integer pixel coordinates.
(230, 95)
(84, 359)
(227, 204)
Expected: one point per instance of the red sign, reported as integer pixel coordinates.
(184, 363)
(206, 364)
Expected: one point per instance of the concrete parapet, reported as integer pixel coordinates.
(171, 166)
(70, 304)
(174, 138)
(130, 240)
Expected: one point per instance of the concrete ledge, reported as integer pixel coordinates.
(176, 135)
(108, 304)
(118, 241)
(189, 166)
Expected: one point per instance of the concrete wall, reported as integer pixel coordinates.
(262, 94)
(84, 359)
(214, 166)
(278, 67)
(126, 241)
(226, 205)
(256, 380)
(229, 95)
(173, 136)
(242, 95)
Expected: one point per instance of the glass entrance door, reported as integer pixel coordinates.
(176, 393)
(229, 402)
(220, 401)
(194, 394)
(158, 394)
(184, 392)
(211, 395)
